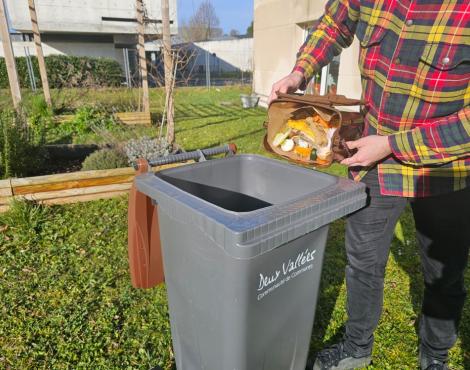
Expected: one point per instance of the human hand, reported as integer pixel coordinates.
(370, 150)
(288, 84)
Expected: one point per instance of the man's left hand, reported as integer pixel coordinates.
(370, 150)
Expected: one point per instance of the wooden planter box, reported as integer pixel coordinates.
(72, 187)
(127, 118)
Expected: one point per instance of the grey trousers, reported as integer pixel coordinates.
(443, 234)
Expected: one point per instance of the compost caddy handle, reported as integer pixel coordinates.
(199, 155)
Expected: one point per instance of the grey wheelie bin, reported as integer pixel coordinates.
(243, 239)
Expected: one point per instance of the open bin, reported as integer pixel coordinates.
(243, 240)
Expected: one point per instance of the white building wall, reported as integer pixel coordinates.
(237, 53)
(85, 16)
(349, 78)
(94, 50)
(279, 31)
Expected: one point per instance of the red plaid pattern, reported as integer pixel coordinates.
(415, 67)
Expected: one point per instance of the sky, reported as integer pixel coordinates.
(233, 14)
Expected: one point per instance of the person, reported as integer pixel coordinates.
(415, 68)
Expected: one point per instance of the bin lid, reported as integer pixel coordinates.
(296, 200)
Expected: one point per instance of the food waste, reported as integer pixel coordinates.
(310, 139)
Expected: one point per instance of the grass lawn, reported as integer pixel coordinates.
(66, 298)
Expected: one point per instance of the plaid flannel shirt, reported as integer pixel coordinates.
(415, 67)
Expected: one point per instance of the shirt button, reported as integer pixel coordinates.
(387, 95)
(397, 61)
(445, 61)
(409, 22)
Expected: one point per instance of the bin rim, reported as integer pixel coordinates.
(342, 197)
(253, 213)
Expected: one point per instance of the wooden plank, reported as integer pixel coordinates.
(5, 188)
(9, 57)
(39, 53)
(129, 118)
(63, 118)
(79, 175)
(134, 118)
(66, 187)
(76, 192)
(137, 123)
(84, 198)
(4, 184)
(75, 199)
(7, 192)
(133, 114)
(132, 122)
(76, 184)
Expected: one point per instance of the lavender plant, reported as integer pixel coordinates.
(147, 148)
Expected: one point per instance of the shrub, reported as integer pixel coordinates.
(105, 159)
(86, 120)
(68, 71)
(26, 216)
(22, 69)
(40, 116)
(149, 149)
(21, 151)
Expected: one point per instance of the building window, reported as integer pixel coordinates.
(19, 37)
(28, 37)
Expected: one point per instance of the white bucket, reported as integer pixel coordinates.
(249, 101)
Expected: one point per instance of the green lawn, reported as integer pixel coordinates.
(67, 302)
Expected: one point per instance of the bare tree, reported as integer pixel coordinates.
(170, 71)
(203, 25)
(183, 58)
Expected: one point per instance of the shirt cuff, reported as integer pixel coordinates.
(306, 67)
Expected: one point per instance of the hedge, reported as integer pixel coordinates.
(68, 71)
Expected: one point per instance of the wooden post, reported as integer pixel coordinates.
(142, 57)
(39, 53)
(169, 75)
(9, 57)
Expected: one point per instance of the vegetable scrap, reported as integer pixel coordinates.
(307, 139)
(287, 145)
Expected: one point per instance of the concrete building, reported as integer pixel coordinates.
(94, 28)
(279, 31)
(225, 55)
(233, 55)
(229, 59)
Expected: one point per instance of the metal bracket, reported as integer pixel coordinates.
(202, 157)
